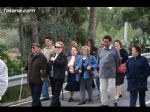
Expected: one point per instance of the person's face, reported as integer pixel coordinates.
(134, 52)
(84, 51)
(58, 48)
(74, 44)
(117, 45)
(48, 42)
(106, 43)
(89, 44)
(73, 51)
(35, 49)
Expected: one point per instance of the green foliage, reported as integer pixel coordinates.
(12, 93)
(10, 38)
(58, 28)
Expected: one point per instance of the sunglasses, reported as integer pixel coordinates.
(58, 47)
(32, 47)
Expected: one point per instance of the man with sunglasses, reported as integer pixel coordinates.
(37, 67)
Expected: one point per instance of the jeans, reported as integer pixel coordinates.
(133, 98)
(107, 89)
(36, 90)
(45, 92)
(97, 81)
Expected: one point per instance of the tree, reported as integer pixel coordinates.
(34, 27)
(92, 22)
(21, 34)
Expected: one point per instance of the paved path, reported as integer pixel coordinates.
(123, 102)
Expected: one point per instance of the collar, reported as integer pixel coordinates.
(109, 47)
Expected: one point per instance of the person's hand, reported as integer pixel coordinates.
(52, 59)
(79, 72)
(42, 78)
(89, 67)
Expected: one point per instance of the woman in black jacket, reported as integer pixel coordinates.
(57, 67)
(120, 76)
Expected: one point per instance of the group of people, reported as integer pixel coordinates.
(85, 68)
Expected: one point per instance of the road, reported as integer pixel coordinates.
(123, 102)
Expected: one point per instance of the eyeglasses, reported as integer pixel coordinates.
(58, 47)
(32, 47)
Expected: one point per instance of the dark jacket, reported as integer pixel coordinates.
(35, 64)
(124, 55)
(94, 51)
(138, 70)
(59, 66)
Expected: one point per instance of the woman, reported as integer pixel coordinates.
(120, 76)
(85, 66)
(138, 70)
(57, 66)
(72, 84)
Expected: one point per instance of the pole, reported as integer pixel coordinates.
(126, 31)
(21, 87)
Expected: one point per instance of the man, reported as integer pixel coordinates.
(47, 51)
(108, 63)
(3, 78)
(37, 67)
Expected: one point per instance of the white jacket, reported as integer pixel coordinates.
(3, 78)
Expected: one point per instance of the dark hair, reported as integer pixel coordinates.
(91, 42)
(138, 48)
(107, 37)
(48, 38)
(118, 42)
(75, 47)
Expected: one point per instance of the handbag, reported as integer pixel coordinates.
(122, 68)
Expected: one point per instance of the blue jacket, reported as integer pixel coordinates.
(90, 61)
(138, 70)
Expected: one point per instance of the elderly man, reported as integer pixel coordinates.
(37, 67)
(108, 61)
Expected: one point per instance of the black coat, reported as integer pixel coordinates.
(35, 64)
(59, 66)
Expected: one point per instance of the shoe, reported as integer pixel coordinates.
(104, 106)
(117, 98)
(81, 103)
(90, 100)
(115, 104)
(70, 100)
(120, 95)
(44, 99)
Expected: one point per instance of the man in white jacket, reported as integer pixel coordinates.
(3, 78)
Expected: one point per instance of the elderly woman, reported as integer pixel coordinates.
(138, 70)
(85, 66)
(72, 84)
(57, 67)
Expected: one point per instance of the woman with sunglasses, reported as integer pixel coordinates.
(57, 67)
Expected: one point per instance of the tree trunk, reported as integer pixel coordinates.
(21, 33)
(34, 26)
(92, 22)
